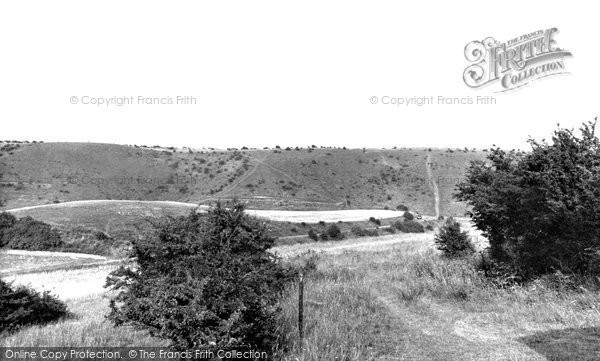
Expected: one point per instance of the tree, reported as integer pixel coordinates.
(452, 241)
(203, 280)
(540, 210)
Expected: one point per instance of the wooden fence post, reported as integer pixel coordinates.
(301, 307)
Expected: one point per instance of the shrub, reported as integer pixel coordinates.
(371, 232)
(333, 231)
(408, 216)
(409, 226)
(540, 210)
(453, 242)
(357, 231)
(402, 207)
(324, 236)
(101, 236)
(7, 220)
(22, 306)
(375, 221)
(391, 230)
(28, 234)
(313, 235)
(203, 280)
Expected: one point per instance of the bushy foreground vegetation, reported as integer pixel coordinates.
(203, 281)
(540, 210)
(21, 306)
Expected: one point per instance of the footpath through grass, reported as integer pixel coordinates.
(409, 304)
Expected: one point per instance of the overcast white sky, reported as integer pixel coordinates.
(279, 72)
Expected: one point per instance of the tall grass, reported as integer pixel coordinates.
(412, 304)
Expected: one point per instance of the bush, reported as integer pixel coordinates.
(453, 242)
(357, 231)
(7, 220)
(540, 210)
(203, 280)
(409, 226)
(324, 237)
(375, 221)
(313, 235)
(333, 231)
(101, 236)
(408, 216)
(28, 234)
(22, 306)
(371, 233)
(402, 207)
(390, 229)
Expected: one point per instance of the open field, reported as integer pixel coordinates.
(294, 179)
(127, 219)
(98, 213)
(66, 283)
(17, 261)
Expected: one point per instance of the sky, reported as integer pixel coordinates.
(266, 73)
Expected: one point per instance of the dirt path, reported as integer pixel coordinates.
(357, 244)
(230, 188)
(433, 332)
(434, 186)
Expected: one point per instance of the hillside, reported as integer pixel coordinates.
(292, 178)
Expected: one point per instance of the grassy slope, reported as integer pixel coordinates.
(34, 174)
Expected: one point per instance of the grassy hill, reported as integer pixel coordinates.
(291, 178)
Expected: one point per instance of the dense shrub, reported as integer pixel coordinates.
(453, 242)
(313, 235)
(375, 221)
(357, 231)
(7, 220)
(541, 210)
(203, 281)
(402, 207)
(101, 236)
(371, 233)
(28, 234)
(333, 231)
(409, 226)
(362, 232)
(408, 216)
(22, 306)
(390, 229)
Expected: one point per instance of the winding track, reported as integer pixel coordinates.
(434, 186)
